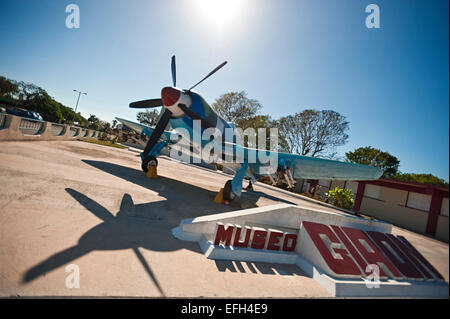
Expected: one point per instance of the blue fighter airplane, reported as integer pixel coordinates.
(188, 114)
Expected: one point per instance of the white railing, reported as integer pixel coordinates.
(14, 128)
(31, 127)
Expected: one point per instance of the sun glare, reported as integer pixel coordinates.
(220, 12)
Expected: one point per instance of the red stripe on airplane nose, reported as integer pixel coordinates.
(170, 95)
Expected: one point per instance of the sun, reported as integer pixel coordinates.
(220, 12)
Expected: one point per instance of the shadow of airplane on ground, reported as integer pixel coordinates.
(176, 191)
(136, 226)
(119, 232)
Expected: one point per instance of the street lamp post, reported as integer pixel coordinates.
(79, 94)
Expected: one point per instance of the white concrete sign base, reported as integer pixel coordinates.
(348, 255)
(359, 288)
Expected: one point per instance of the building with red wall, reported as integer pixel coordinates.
(422, 208)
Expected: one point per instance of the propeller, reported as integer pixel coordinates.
(158, 131)
(174, 72)
(146, 104)
(166, 114)
(209, 74)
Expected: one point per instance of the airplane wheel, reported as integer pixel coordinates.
(228, 194)
(147, 162)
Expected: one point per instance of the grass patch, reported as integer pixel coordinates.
(105, 143)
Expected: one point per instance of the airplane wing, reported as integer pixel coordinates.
(301, 167)
(143, 128)
(318, 168)
(305, 167)
(148, 130)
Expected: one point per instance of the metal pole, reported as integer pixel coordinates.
(76, 106)
(79, 94)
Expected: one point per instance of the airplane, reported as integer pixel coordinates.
(188, 113)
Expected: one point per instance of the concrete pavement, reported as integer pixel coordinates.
(70, 202)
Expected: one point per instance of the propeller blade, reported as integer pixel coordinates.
(195, 116)
(209, 74)
(174, 72)
(158, 131)
(145, 104)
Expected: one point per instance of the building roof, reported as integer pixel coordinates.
(411, 186)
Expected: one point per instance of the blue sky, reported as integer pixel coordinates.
(391, 83)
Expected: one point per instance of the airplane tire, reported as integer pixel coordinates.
(227, 192)
(147, 162)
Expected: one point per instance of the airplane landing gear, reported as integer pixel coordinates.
(228, 194)
(149, 165)
(225, 195)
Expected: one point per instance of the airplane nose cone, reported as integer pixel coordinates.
(170, 95)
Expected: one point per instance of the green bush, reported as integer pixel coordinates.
(342, 198)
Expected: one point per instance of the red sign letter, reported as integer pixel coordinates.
(370, 252)
(395, 255)
(274, 240)
(259, 239)
(331, 249)
(290, 241)
(223, 235)
(411, 251)
(237, 236)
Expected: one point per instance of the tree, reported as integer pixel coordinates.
(257, 123)
(35, 98)
(312, 133)
(420, 178)
(41, 102)
(148, 117)
(105, 126)
(94, 122)
(375, 157)
(236, 106)
(7, 87)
